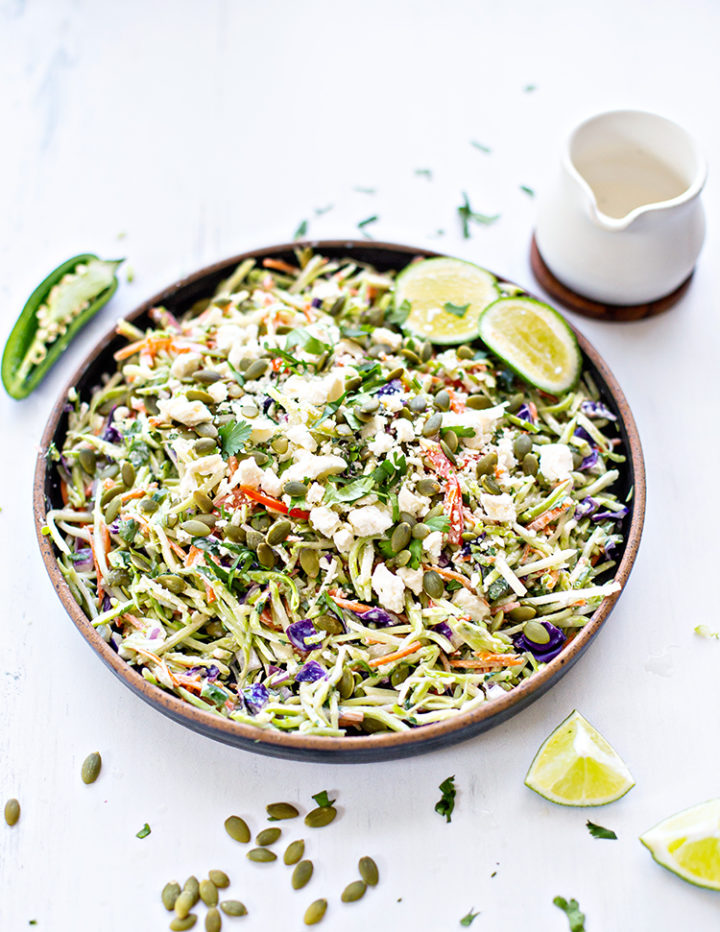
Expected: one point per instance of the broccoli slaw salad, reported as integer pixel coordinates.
(291, 510)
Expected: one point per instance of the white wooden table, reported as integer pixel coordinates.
(202, 129)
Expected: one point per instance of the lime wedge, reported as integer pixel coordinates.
(534, 341)
(688, 844)
(577, 767)
(432, 286)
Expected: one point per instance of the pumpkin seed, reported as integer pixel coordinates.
(432, 425)
(149, 506)
(478, 402)
(12, 811)
(368, 871)
(515, 402)
(315, 912)
(294, 851)
(180, 924)
(354, 891)
(192, 887)
(490, 485)
(210, 520)
(266, 555)
(262, 459)
(451, 439)
(321, 816)
(91, 766)
(280, 445)
(395, 374)
(206, 430)
(234, 533)
(172, 583)
(219, 878)
(536, 632)
(302, 874)
(337, 306)
(171, 520)
(433, 584)
(244, 363)
(109, 494)
(411, 356)
(407, 518)
(400, 674)
(295, 489)
(237, 829)
(442, 400)
(261, 855)
(465, 352)
(310, 562)
(195, 528)
(530, 464)
(522, 446)
(199, 394)
(203, 501)
(233, 908)
(278, 532)
(256, 369)
(281, 811)
(420, 531)
(254, 539)
(469, 535)
(268, 836)
(346, 686)
(426, 351)
(118, 576)
(403, 558)
(169, 895)
(184, 903)
(400, 537)
(213, 920)
(486, 464)
(370, 406)
(127, 471)
(112, 510)
(523, 613)
(329, 623)
(448, 452)
(207, 376)
(418, 404)
(249, 409)
(428, 487)
(208, 893)
(88, 460)
(352, 384)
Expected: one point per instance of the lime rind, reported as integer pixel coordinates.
(533, 340)
(430, 284)
(691, 832)
(572, 757)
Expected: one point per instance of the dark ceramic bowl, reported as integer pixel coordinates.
(374, 747)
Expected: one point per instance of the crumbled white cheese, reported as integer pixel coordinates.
(382, 444)
(370, 520)
(343, 539)
(471, 605)
(185, 364)
(392, 402)
(404, 430)
(249, 473)
(325, 520)
(229, 335)
(262, 428)
(314, 494)
(301, 437)
(506, 457)
(218, 390)
(186, 412)
(310, 466)
(271, 483)
(313, 390)
(433, 544)
(415, 505)
(498, 507)
(556, 461)
(482, 422)
(383, 335)
(389, 588)
(413, 579)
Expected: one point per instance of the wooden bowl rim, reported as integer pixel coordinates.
(384, 745)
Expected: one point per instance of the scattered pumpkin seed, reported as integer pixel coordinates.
(433, 424)
(262, 459)
(186, 922)
(310, 562)
(266, 555)
(210, 520)
(169, 895)
(249, 409)
(302, 874)
(329, 623)
(411, 356)
(315, 912)
(88, 460)
(294, 851)
(536, 632)
(12, 811)
(354, 891)
(522, 445)
(261, 855)
(490, 485)
(213, 920)
(486, 464)
(206, 430)
(418, 404)
(403, 558)
(530, 464)
(254, 539)
(400, 537)
(346, 686)
(195, 528)
(515, 402)
(522, 613)
(233, 908)
(368, 871)
(91, 766)
(208, 893)
(207, 376)
(433, 584)
(256, 369)
(280, 445)
(192, 886)
(352, 384)
(400, 674)
(323, 815)
(203, 501)
(112, 510)
(420, 531)
(184, 903)
(442, 400)
(234, 533)
(109, 494)
(171, 520)
(428, 487)
(278, 532)
(127, 471)
(478, 402)
(237, 829)
(451, 439)
(199, 394)
(370, 406)
(268, 836)
(448, 452)
(171, 582)
(149, 506)
(426, 351)
(281, 811)
(465, 352)
(295, 489)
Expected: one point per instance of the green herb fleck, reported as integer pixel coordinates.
(445, 805)
(529, 191)
(468, 920)
(424, 173)
(365, 190)
(597, 831)
(127, 530)
(129, 274)
(319, 211)
(322, 798)
(144, 831)
(458, 310)
(366, 222)
(529, 88)
(301, 230)
(467, 214)
(307, 341)
(350, 492)
(576, 918)
(398, 315)
(439, 523)
(480, 146)
(233, 436)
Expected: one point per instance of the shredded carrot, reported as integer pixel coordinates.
(193, 557)
(448, 574)
(128, 496)
(177, 549)
(161, 663)
(148, 345)
(280, 266)
(100, 590)
(210, 594)
(487, 659)
(64, 492)
(456, 404)
(398, 655)
(547, 517)
(348, 604)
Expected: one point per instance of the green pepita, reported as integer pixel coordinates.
(195, 528)
(433, 424)
(302, 874)
(426, 351)
(237, 829)
(478, 402)
(310, 562)
(427, 487)
(206, 430)
(433, 584)
(91, 767)
(127, 471)
(256, 369)
(254, 539)
(278, 532)
(12, 811)
(149, 506)
(184, 903)
(315, 912)
(207, 376)
(451, 439)
(486, 465)
(448, 451)
(329, 623)
(400, 537)
(199, 394)
(490, 485)
(411, 356)
(169, 895)
(109, 494)
(399, 674)
(261, 855)
(353, 384)
(213, 920)
(280, 445)
(442, 400)
(522, 446)
(368, 871)
(295, 489)
(515, 402)
(266, 555)
(323, 815)
(346, 686)
(88, 460)
(354, 891)
(234, 533)
(180, 924)
(465, 352)
(233, 908)
(294, 852)
(208, 893)
(262, 459)
(403, 558)
(522, 613)
(536, 632)
(418, 404)
(219, 878)
(203, 501)
(420, 531)
(530, 464)
(281, 811)
(192, 887)
(112, 510)
(268, 836)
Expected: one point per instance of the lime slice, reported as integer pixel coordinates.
(432, 286)
(577, 767)
(688, 844)
(534, 341)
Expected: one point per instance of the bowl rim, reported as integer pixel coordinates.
(376, 746)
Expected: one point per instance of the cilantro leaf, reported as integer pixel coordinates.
(319, 211)
(459, 310)
(466, 214)
(128, 530)
(468, 920)
(458, 431)
(301, 230)
(366, 222)
(398, 315)
(597, 831)
(424, 173)
(322, 798)
(415, 548)
(438, 523)
(144, 831)
(351, 492)
(307, 341)
(576, 919)
(445, 805)
(480, 146)
(528, 191)
(233, 436)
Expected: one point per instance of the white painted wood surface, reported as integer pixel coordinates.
(201, 129)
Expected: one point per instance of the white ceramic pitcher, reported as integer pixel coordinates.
(623, 223)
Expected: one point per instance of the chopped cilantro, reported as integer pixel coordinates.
(458, 310)
(415, 548)
(127, 530)
(144, 831)
(576, 918)
(366, 222)
(307, 341)
(398, 315)
(319, 211)
(480, 146)
(336, 493)
(438, 523)
(233, 436)
(597, 831)
(322, 798)
(468, 920)
(467, 214)
(301, 230)
(445, 805)
(527, 190)
(424, 173)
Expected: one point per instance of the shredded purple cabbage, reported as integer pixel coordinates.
(266, 405)
(525, 414)
(378, 615)
(542, 652)
(106, 603)
(597, 409)
(316, 302)
(590, 460)
(586, 507)
(391, 388)
(255, 697)
(611, 515)
(303, 635)
(82, 559)
(444, 628)
(583, 434)
(310, 672)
